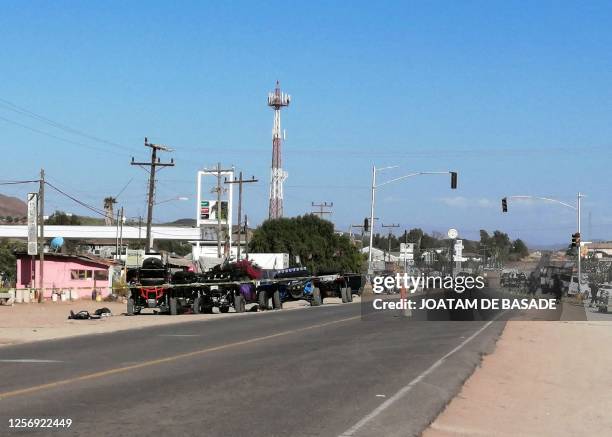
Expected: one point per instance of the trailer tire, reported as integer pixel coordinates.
(262, 300)
(197, 305)
(173, 306)
(207, 310)
(316, 297)
(224, 309)
(276, 301)
(344, 294)
(239, 304)
(130, 307)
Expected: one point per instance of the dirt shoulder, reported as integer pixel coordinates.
(23, 323)
(544, 379)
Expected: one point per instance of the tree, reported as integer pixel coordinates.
(61, 218)
(519, 249)
(8, 261)
(179, 248)
(312, 240)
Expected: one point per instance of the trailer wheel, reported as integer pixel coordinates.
(239, 304)
(343, 294)
(224, 309)
(208, 310)
(197, 305)
(316, 297)
(173, 306)
(262, 299)
(130, 307)
(276, 300)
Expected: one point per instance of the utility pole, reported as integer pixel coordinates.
(579, 243)
(240, 181)
(351, 232)
(483, 249)
(246, 236)
(155, 162)
(389, 237)
(322, 207)
(117, 237)
(121, 232)
(41, 219)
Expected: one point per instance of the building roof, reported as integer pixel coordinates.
(595, 246)
(81, 257)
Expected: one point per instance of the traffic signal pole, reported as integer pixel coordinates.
(577, 236)
(374, 187)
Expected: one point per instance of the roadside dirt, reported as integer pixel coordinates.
(22, 323)
(544, 379)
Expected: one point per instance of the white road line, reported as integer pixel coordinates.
(29, 360)
(404, 390)
(179, 335)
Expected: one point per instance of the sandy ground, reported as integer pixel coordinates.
(544, 379)
(22, 323)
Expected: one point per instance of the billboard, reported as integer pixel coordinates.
(32, 223)
(209, 212)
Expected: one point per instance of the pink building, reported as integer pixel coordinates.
(82, 273)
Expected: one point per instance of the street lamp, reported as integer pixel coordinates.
(576, 208)
(171, 200)
(374, 187)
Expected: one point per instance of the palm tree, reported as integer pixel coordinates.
(108, 208)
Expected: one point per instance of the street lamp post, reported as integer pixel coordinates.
(373, 198)
(577, 208)
(150, 239)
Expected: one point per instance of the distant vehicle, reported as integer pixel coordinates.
(604, 298)
(513, 279)
(573, 289)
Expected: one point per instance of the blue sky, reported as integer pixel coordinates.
(515, 96)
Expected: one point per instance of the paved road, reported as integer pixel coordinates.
(319, 371)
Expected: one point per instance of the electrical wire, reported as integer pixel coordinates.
(41, 132)
(23, 111)
(96, 210)
(19, 182)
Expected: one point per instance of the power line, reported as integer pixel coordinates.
(21, 110)
(41, 132)
(96, 210)
(19, 182)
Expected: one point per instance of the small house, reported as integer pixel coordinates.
(77, 273)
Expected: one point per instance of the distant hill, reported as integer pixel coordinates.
(182, 222)
(12, 207)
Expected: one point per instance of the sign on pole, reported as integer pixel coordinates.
(32, 223)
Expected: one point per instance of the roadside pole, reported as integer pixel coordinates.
(240, 181)
(41, 212)
(155, 162)
(370, 269)
(579, 246)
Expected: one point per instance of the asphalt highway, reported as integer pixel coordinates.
(320, 371)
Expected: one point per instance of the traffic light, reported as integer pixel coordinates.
(366, 224)
(505, 204)
(576, 239)
(453, 180)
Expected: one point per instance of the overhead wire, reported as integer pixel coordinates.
(24, 111)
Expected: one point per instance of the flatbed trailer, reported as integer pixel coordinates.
(201, 297)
